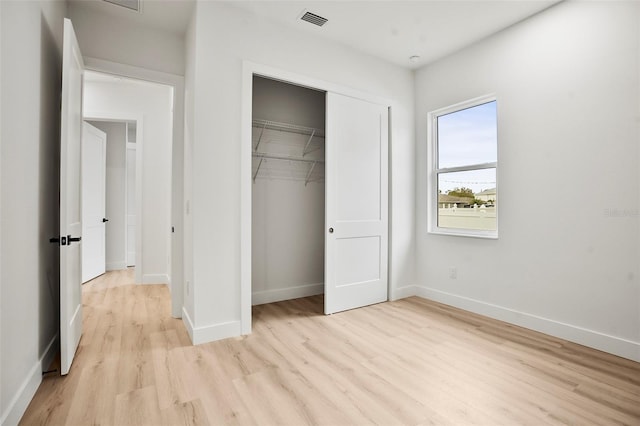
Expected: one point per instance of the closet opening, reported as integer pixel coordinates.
(288, 195)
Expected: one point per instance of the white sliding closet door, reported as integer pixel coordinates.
(356, 175)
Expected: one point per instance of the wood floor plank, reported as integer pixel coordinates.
(190, 413)
(170, 370)
(93, 401)
(138, 408)
(407, 362)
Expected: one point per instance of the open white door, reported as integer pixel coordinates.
(94, 172)
(356, 247)
(70, 199)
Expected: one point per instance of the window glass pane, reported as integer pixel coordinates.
(468, 136)
(468, 200)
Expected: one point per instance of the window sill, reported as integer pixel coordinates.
(487, 235)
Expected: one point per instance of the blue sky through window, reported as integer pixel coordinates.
(468, 137)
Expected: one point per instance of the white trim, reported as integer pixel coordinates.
(188, 324)
(468, 168)
(277, 295)
(593, 339)
(215, 332)
(176, 217)
(403, 292)
(27, 390)
(155, 279)
(249, 69)
(129, 147)
(433, 171)
(246, 112)
(469, 233)
(130, 71)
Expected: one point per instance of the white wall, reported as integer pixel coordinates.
(224, 37)
(31, 51)
(188, 310)
(565, 263)
(116, 40)
(116, 193)
(154, 103)
(288, 216)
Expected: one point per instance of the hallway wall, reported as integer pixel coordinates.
(31, 52)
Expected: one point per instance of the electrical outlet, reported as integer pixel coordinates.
(453, 273)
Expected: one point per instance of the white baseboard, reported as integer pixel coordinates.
(155, 279)
(116, 266)
(210, 333)
(593, 339)
(186, 320)
(277, 295)
(403, 292)
(19, 403)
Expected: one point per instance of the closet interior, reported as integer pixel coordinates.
(288, 195)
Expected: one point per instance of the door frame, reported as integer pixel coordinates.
(121, 118)
(249, 69)
(176, 275)
(129, 146)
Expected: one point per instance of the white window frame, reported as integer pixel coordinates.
(434, 171)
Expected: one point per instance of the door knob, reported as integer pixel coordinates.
(104, 219)
(331, 230)
(71, 239)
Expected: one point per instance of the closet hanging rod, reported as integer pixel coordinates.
(285, 157)
(285, 127)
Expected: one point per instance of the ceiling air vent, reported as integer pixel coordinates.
(314, 19)
(129, 4)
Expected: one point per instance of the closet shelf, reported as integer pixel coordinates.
(289, 128)
(285, 157)
(307, 178)
(285, 127)
(306, 170)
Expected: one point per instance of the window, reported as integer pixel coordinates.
(464, 190)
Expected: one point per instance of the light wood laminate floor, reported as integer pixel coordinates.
(410, 362)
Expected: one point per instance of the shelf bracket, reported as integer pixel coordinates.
(260, 138)
(257, 170)
(304, 151)
(313, 166)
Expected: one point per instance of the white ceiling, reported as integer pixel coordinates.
(165, 15)
(392, 30)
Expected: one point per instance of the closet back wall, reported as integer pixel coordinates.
(288, 217)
